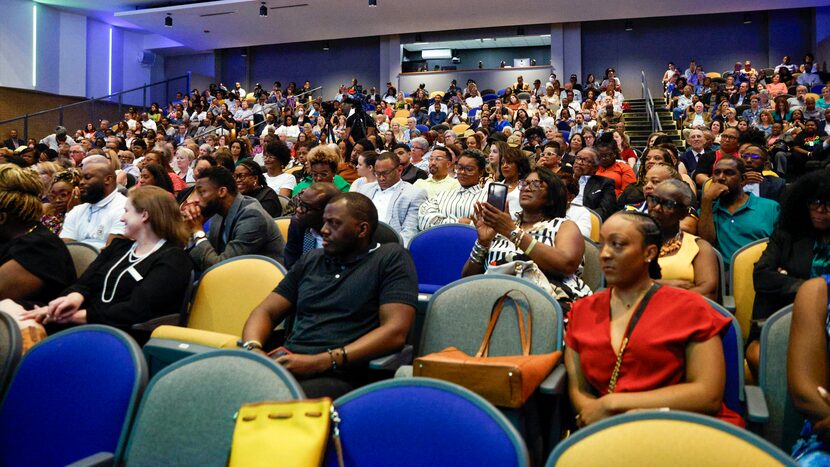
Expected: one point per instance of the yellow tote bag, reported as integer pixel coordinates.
(283, 433)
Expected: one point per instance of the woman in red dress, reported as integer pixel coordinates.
(671, 354)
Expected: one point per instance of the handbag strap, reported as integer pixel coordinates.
(525, 333)
(635, 318)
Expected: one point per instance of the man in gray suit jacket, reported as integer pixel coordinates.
(238, 224)
(397, 201)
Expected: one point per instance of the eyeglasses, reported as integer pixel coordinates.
(584, 160)
(754, 157)
(725, 136)
(241, 176)
(666, 203)
(385, 173)
(467, 169)
(532, 185)
(819, 205)
(305, 207)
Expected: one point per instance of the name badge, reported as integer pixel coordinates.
(135, 274)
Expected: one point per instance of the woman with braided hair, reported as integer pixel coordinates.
(35, 265)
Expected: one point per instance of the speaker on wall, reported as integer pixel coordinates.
(147, 58)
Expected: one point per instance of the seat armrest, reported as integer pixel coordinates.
(393, 361)
(555, 382)
(101, 459)
(756, 405)
(729, 303)
(151, 325)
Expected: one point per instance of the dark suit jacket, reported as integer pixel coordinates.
(688, 159)
(293, 244)
(774, 290)
(599, 195)
(252, 232)
(412, 173)
(9, 143)
(705, 164)
(772, 188)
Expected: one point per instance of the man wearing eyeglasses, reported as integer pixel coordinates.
(759, 181)
(304, 230)
(439, 171)
(456, 205)
(397, 201)
(595, 192)
(707, 161)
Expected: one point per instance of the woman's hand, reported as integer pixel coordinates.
(822, 427)
(499, 221)
(486, 234)
(594, 411)
(62, 308)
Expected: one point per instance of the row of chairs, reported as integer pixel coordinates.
(92, 378)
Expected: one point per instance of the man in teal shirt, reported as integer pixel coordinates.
(731, 218)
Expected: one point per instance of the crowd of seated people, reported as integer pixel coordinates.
(167, 193)
(790, 104)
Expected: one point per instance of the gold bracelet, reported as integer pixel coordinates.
(530, 247)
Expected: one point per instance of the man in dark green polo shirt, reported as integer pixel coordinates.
(352, 301)
(729, 217)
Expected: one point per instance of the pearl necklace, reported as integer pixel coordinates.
(133, 259)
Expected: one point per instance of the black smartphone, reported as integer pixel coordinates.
(497, 195)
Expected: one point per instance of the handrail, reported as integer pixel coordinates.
(93, 99)
(652, 114)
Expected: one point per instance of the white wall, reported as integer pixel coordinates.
(16, 51)
(72, 68)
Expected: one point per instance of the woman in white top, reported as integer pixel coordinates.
(540, 234)
(514, 168)
(183, 162)
(365, 169)
(277, 156)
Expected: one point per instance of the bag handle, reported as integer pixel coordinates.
(524, 333)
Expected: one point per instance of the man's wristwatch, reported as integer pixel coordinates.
(249, 345)
(198, 235)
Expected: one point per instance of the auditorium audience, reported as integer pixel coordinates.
(669, 356)
(351, 301)
(439, 179)
(322, 162)
(456, 206)
(238, 224)
(63, 195)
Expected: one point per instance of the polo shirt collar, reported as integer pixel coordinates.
(749, 205)
(105, 201)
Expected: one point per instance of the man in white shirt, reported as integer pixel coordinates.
(397, 201)
(147, 123)
(439, 170)
(98, 219)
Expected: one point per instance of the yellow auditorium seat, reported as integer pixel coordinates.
(403, 113)
(596, 224)
(400, 120)
(282, 224)
(741, 284)
(675, 438)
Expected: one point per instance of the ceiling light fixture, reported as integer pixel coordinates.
(629, 26)
(747, 18)
(373, 3)
(263, 11)
(168, 21)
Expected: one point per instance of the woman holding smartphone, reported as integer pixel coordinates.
(540, 233)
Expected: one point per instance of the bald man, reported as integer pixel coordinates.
(98, 219)
(352, 300)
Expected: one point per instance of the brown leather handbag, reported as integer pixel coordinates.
(504, 381)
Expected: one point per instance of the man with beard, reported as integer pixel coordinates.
(98, 219)
(238, 224)
(439, 170)
(351, 300)
(304, 229)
